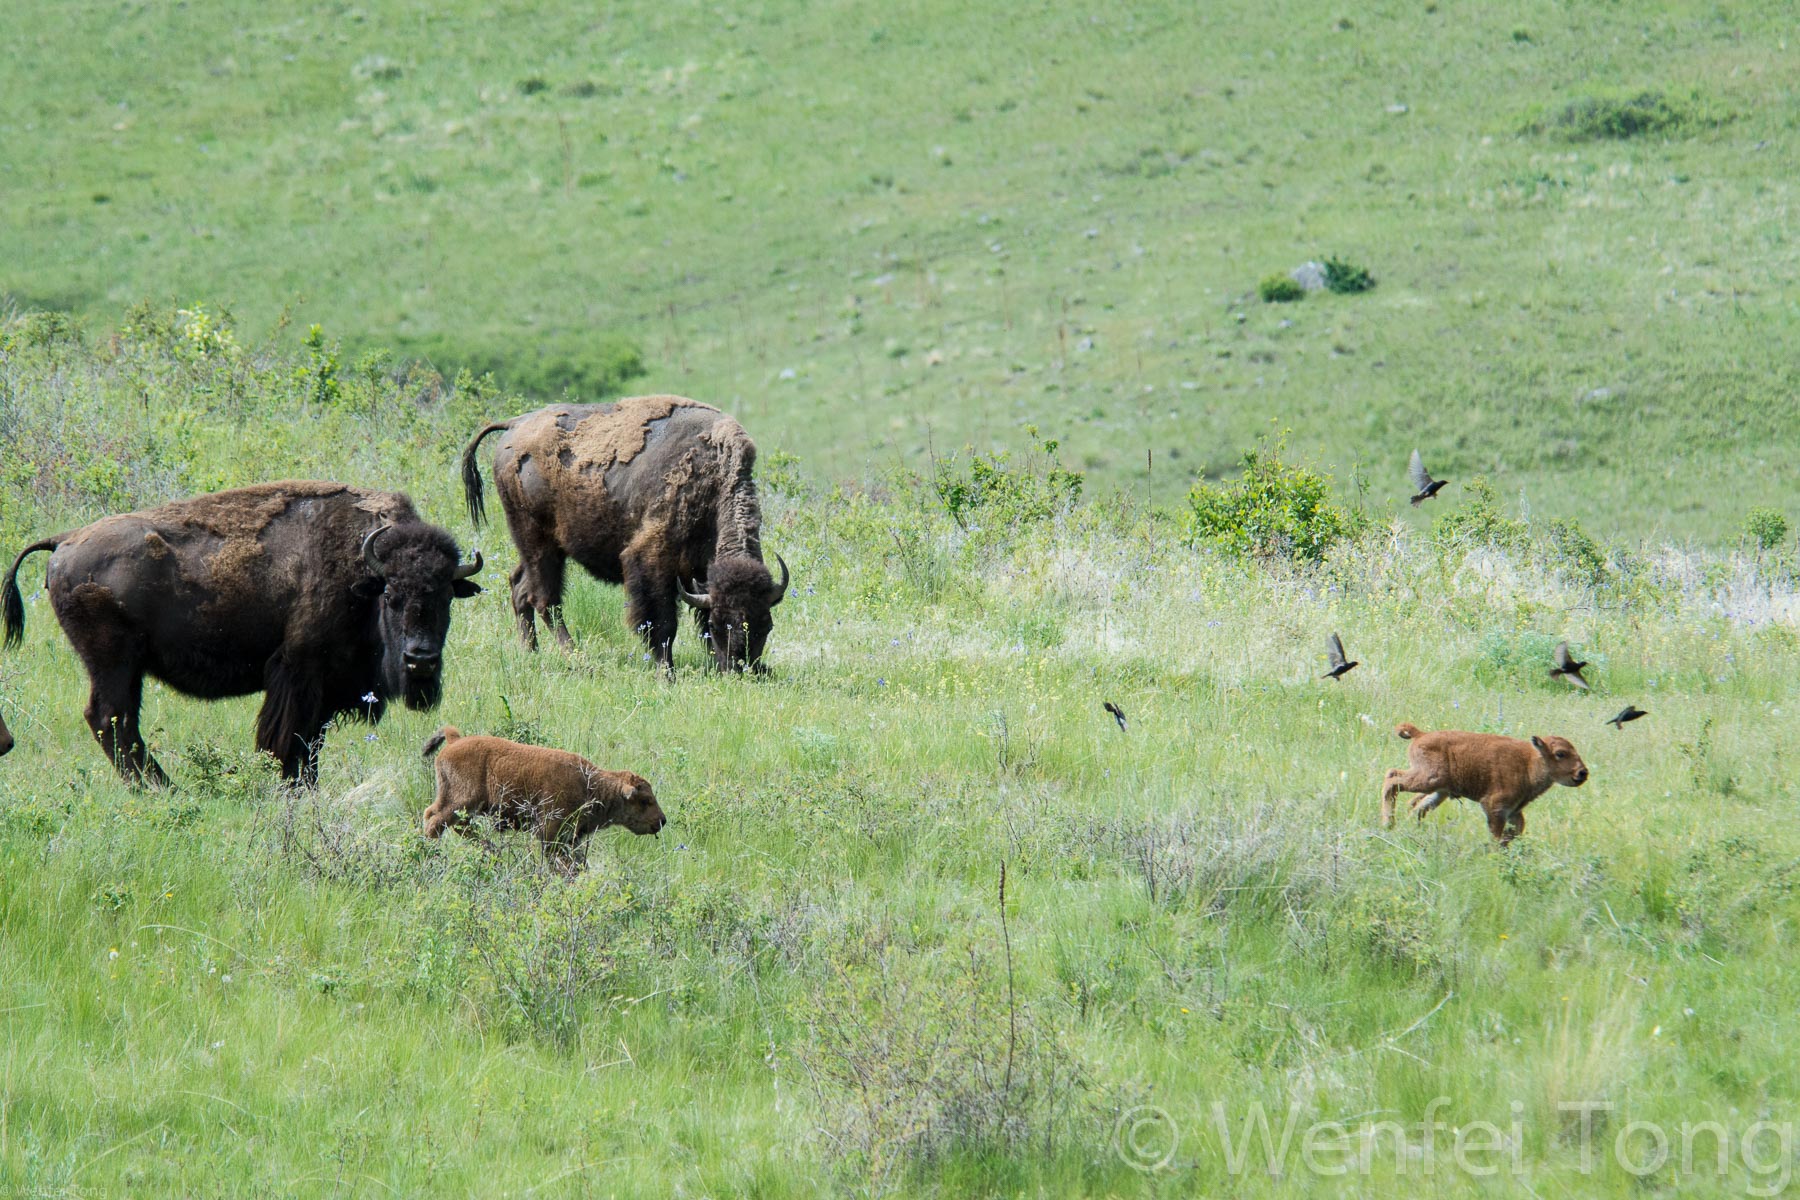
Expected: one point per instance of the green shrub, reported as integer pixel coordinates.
(1616, 116)
(1568, 547)
(1276, 509)
(1478, 521)
(1346, 278)
(1279, 289)
(1010, 495)
(1767, 528)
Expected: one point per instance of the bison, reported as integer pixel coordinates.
(1501, 774)
(560, 797)
(646, 492)
(6, 738)
(329, 599)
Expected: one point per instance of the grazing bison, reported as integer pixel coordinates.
(1501, 774)
(326, 598)
(6, 738)
(645, 492)
(560, 797)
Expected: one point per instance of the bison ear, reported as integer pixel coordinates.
(367, 588)
(1539, 743)
(462, 589)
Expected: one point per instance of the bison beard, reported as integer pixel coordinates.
(328, 599)
(649, 492)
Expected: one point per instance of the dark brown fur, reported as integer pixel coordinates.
(1501, 774)
(645, 492)
(259, 589)
(6, 738)
(560, 797)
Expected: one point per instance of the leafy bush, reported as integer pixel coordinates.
(996, 490)
(1346, 278)
(1478, 521)
(1279, 289)
(1766, 528)
(1276, 509)
(1615, 116)
(1568, 547)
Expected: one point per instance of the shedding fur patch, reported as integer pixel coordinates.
(618, 436)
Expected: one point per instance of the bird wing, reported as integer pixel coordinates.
(1420, 477)
(1561, 655)
(1334, 647)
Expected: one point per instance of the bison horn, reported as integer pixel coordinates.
(368, 550)
(701, 600)
(780, 588)
(465, 570)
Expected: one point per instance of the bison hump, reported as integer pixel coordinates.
(618, 432)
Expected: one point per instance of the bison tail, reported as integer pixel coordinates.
(1407, 730)
(448, 733)
(9, 595)
(471, 473)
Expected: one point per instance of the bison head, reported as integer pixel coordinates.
(637, 810)
(738, 604)
(416, 571)
(1564, 763)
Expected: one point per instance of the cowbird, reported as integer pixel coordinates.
(1334, 649)
(1425, 486)
(1630, 712)
(1117, 712)
(1568, 669)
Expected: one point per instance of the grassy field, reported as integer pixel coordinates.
(807, 986)
(879, 237)
(874, 232)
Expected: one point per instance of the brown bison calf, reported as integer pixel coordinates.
(561, 797)
(1501, 774)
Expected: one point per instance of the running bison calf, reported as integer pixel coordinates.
(1501, 774)
(561, 797)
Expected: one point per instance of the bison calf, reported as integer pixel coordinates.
(561, 797)
(1501, 774)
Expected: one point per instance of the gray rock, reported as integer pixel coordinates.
(1309, 275)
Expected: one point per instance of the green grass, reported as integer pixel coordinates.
(802, 987)
(947, 223)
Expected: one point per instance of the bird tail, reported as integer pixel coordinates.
(447, 734)
(1407, 730)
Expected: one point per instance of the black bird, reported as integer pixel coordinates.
(1568, 669)
(1630, 712)
(1426, 487)
(1117, 712)
(1334, 649)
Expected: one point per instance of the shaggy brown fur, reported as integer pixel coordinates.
(646, 492)
(274, 589)
(1501, 774)
(6, 738)
(560, 797)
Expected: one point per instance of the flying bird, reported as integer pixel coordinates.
(1425, 486)
(1334, 649)
(1117, 712)
(1630, 712)
(1568, 669)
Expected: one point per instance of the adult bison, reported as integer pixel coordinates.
(645, 492)
(329, 599)
(6, 738)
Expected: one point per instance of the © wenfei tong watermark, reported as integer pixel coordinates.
(1245, 1140)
